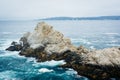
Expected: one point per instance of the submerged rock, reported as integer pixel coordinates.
(45, 44)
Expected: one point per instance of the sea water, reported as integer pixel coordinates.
(93, 34)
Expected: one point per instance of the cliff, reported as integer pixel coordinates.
(45, 43)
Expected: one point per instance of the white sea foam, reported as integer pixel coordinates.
(14, 54)
(71, 71)
(6, 43)
(79, 40)
(114, 41)
(11, 32)
(74, 73)
(6, 32)
(8, 75)
(44, 70)
(51, 63)
(112, 33)
(92, 47)
(113, 45)
(31, 59)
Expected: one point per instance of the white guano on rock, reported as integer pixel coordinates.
(52, 40)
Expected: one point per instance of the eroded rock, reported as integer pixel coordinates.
(98, 65)
(44, 35)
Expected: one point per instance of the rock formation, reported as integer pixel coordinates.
(52, 40)
(98, 65)
(45, 43)
(14, 47)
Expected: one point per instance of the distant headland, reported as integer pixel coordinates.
(84, 18)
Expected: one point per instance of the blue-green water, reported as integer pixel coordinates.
(91, 34)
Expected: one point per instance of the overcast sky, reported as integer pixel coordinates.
(33, 9)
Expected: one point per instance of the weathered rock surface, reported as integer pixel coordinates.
(52, 40)
(45, 43)
(98, 65)
(105, 57)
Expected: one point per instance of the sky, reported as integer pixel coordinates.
(35, 9)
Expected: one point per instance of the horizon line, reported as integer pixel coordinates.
(32, 19)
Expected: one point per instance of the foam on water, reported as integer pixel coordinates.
(71, 72)
(9, 53)
(43, 70)
(92, 47)
(8, 75)
(112, 33)
(80, 40)
(51, 63)
(6, 33)
(115, 45)
(6, 43)
(31, 59)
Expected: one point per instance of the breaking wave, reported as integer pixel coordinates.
(51, 63)
(43, 70)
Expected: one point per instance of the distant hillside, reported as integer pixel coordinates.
(84, 18)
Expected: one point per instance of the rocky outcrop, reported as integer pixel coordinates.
(105, 57)
(98, 65)
(14, 47)
(45, 43)
(44, 35)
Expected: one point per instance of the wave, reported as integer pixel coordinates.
(44, 70)
(112, 33)
(14, 54)
(12, 33)
(8, 53)
(113, 45)
(92, 47)
(51, 63)
(71, 71)
(85, 41)
(5, 32)
(8, 75)
(31, 59)
(5, 43)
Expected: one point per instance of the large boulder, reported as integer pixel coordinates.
(44, 35)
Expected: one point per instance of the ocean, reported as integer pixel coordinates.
(93, 34)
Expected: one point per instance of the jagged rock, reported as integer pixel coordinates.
(45, 43)
(98, 65)
(44, 35)
(82, 49)
(14, 47)
(106, 57)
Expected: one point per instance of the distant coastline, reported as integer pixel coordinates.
(84, 18)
